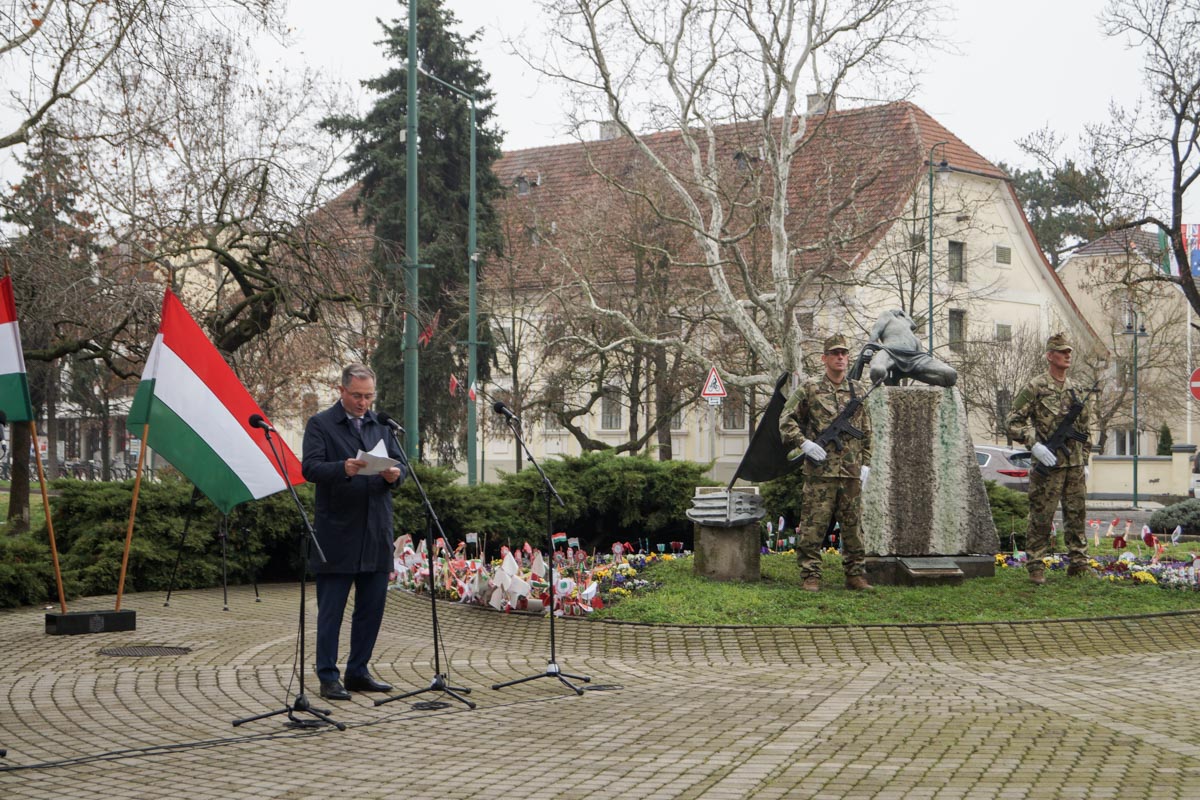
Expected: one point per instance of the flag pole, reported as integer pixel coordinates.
(137, 485)
(62, 598)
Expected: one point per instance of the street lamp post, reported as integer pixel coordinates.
(472, 295)
(411, 235)
(942, 167)
(1132, 328)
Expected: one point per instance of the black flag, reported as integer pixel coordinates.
(767, 456)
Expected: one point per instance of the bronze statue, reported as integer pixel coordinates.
(894, 353)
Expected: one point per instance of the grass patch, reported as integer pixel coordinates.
(682, 598)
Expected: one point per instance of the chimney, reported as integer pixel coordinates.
(820, 103)
(609, 129)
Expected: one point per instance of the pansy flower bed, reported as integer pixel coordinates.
(1125, 567)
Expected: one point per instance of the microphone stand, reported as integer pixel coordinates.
(552, 668)
(438, 684)
(308, 537)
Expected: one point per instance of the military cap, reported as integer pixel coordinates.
(836, 342)
(1059, 341)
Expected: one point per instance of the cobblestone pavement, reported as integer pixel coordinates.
(1090, 709)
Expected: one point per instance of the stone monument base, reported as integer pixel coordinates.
(728, 553)
(928, 570)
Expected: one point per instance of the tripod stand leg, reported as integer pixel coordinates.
(223, 532)
(182, 537)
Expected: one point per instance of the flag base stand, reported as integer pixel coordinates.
(70, 623)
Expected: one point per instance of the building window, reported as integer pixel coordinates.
(733, 412)
(955, 259)
(522, 185)
(1003, 254)
(610, 410)
(1003, 332)
(1123, 441)
(958, 328)
(1003, 407)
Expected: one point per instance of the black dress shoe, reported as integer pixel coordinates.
(365, 683)
(333, 690)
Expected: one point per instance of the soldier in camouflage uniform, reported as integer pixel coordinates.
(1036, 412)
(833, 481)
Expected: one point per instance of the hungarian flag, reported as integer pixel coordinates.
(199, 412)
(453, 385)
(14, 386)
(559, 538)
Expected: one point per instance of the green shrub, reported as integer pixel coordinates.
(781, 498)
(91, 519)
(26, 574)
(1186, 514)
(607, 497)
(1010, 512)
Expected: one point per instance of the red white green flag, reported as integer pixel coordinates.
(199, 412)
(14, 386)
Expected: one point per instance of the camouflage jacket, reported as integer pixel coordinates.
(809, 411)
(1039, 408)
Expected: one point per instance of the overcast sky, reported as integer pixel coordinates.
(1020, 65)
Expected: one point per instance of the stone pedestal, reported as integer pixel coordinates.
(728, 553)
(925, 497)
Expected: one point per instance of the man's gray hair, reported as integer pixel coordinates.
(353, 371)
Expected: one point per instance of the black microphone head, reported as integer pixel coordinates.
(386, 419)
(256, 420)
(499, 407)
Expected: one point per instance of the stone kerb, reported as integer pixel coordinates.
(925, 495)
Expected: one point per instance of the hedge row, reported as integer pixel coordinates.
(606, 498)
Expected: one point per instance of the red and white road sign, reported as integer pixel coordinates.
(713, 387)
(1194, 383)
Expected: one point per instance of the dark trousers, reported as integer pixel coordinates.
(370, 596)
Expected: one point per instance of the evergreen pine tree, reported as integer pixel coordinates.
(378, 161)
(53, 249)
(1165, 442)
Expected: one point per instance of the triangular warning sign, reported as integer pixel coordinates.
(712, 385)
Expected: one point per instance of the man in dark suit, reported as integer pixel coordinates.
(354, 528)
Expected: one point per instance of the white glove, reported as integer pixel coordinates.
(1086, 472)
(813, 450)
(1044, 455)
(863, 474)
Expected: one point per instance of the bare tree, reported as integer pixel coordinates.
(728, 81)
(62, 52)
(1155, 143)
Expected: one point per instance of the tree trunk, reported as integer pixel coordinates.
(18, 492)
(663, 401)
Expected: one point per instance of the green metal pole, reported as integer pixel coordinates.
(929, 319)
(411, 287)
(472, 318)
(1135, 410)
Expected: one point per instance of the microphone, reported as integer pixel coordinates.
(257, 421)
(505, 411)
(386, 419)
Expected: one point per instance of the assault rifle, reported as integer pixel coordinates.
(1065, 432)
(831, 437)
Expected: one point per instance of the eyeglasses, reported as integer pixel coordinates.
(361, 396)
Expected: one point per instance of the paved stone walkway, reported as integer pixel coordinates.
(1089, 709)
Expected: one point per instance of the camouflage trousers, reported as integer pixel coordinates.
(823, 500)
(1065, 485)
